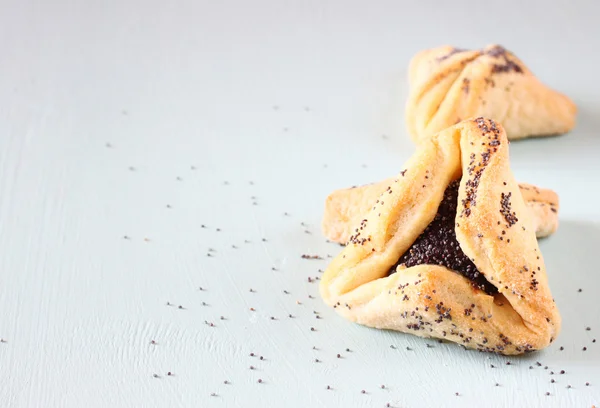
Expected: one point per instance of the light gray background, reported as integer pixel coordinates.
(210, 107)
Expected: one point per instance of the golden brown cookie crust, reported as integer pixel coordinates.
(448, 85)
(493, 231)
(345, 207)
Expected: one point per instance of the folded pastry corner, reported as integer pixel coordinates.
(448, 85)
(447, 251)
(345, 207)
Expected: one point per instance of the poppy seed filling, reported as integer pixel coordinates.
(437, 245)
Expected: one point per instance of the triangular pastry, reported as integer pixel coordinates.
(447, 251)
(345, 208)
(448, 85)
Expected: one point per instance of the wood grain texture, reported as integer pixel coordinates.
(127, 126)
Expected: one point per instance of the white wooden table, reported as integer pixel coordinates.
(150, 148)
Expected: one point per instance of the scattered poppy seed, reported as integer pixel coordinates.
(569, 386)
(328, 387)
(392, 346)
(584, 349)
(260, 380)
(262, 358)
(547, 393)
(252, 309)
(169, 373)
(363, 392)
(587, 384)
(312, 329)
(291, 316)
(408, 348)
(561, 348)
(382, 386)
(222, 317)
(225, 382)
(251, 354)
(339, 356)
(497, 385)
(348, 350)
(179, 307)
(562, 371)
(306, 256)
(155, 375)
(552, 381)
(213, 394)
(588, 329)
(251, 367)
(579, 290)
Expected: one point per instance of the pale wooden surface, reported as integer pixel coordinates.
(233, 114)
